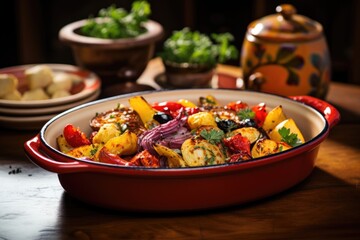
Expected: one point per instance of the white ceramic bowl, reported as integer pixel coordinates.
(91, 81)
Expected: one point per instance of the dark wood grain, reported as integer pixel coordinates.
(326, 205)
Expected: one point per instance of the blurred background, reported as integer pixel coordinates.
(29, 28)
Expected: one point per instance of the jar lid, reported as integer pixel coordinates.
(285, 25)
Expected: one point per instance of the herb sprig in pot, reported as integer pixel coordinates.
(114, 23)
(116, 44)
(190, 57)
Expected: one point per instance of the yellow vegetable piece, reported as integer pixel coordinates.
(265, 147)
(201, 153)
(63, 145)
(251, 133)
(187, 103)
(145, 111)
(291, 125)
(273, 118)
(86, 151)
(201, 119)
(173, 159)
(106, 132)
(125, 144)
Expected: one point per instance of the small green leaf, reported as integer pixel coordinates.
(246, 114)
(290, 138)
(213, 136)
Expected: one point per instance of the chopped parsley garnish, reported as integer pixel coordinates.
(93, 151)
(210, 160)
(290, 138)
(213, 136)
(246, 113)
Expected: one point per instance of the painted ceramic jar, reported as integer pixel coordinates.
(286, 54)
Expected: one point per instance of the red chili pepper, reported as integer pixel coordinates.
(75, 137)
(238, 144)
(106, 156)
(260, 113)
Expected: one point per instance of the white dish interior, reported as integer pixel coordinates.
(309, 120)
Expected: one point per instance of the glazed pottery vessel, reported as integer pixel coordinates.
(286, 54)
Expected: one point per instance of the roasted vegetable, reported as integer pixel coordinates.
(273, 118)
(292, 136)
(201, 119)
(106, 132)
(201, 153)
(173, 158)
(265, 147)
(145, 111)
(251, 133)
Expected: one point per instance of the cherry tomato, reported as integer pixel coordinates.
(238, 144)
(174, 108)
(236, 106)
(74, 136)
(239, 157)
(167, 106)
(146, 159)
(260, 113)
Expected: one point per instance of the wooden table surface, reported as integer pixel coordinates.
(33, 205)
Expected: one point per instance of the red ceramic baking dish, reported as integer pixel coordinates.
(184, 189)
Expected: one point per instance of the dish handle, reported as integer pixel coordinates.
(32, 151)
(330, 113)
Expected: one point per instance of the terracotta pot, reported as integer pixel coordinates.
(187, 75)
(289, 51)
(191, 188)
(113, 60)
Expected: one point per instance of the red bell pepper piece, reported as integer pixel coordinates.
(75, 137)
(260, 113)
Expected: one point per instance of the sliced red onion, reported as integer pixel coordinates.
(171, 134)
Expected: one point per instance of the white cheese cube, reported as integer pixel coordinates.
(39, 76)
(8, 84)
(35, 94)
(14, 95)
(60, 93)
(61, 81)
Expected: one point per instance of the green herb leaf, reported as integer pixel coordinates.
(246, 113)
(213, 136)
(186, 46)
(290, 138)
(117, 22)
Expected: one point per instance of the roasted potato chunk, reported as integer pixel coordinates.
(173, 158)
(265, 147)
(201, 119)
(251, 133)
(201, 153)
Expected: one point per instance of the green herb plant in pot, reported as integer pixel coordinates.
(117, 45)
(190, 57)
